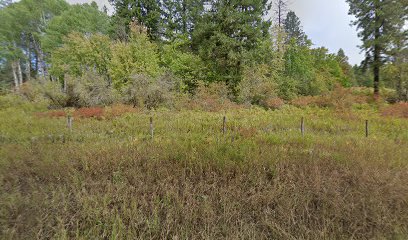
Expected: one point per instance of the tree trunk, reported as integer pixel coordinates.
(184, 17)
(28, 61)
(279, 14)
(14, 69)
(376, 70)
(40, 60)
(377, 56)
(20, 73)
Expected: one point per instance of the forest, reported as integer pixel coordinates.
(78, 55)
(200, 119)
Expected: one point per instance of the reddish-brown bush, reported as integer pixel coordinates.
(212, 98)
(93, 112)
(274, 103)
(52, 114)
(396, 110)
(304, 101)
(118, 110)
(339, 98)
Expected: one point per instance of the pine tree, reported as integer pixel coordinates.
(229, 30)
(178, 17)
(294, 30)
(280, 9)
(145, 12)
(379, 22)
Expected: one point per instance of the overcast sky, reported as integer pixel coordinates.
(326, 22)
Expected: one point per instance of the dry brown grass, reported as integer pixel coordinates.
(108, 180)
(135, 192)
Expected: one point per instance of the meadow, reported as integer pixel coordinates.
(107, 178)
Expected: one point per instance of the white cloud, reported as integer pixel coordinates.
(327, 24)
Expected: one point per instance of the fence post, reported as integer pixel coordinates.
(366, 128)
(302, 126)
(151, 127)
(224, 125)
(69, 122)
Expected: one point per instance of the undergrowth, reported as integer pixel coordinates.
(108, 179)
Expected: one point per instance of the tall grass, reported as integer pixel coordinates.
(261, 180)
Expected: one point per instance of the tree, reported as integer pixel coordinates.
(379, 22)
(83, 18)
(145, 12)
(4, 3)
(294, 30)
(22, 25)
(226, 33)
(81, 54)
(138, 56)
(183, 64)
(280, 9)
(342, 60)
(179, 17)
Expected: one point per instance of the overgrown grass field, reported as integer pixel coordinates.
(108, 179)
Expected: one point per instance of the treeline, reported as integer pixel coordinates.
(77, 53)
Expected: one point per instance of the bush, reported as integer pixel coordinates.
(94, 112)
(92, 90)
(144, 91)
(118, 110)
(213, 97)
(339, 98)
(396, 110)
(273, 103)
(257, 85)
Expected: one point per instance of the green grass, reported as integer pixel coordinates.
(107, 179)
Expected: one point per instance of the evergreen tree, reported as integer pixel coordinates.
(180, 16)
(229, 30)
(280, 9)
(294, 30)
(380, 23)
(343, 61)
(144, 12)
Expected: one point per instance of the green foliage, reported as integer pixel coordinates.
(260, 180)
(145, 91)
(381, 25)
(138, 56)
(84, 19)
(179, 17)
(257, 85)
(226, 33)
(183, 64)
(294, 30)
(82, 53)
(144, 12)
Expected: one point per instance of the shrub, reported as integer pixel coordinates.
(92, 89)
(257, 85)
(118, 110)
(93, 112)
(339, 98)
(137, 56)
(52, 114)
(212, 97)
(396, 110)
(273, 103)
(304, 101)
(144, 91)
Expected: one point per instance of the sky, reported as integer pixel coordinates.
(326, 22)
